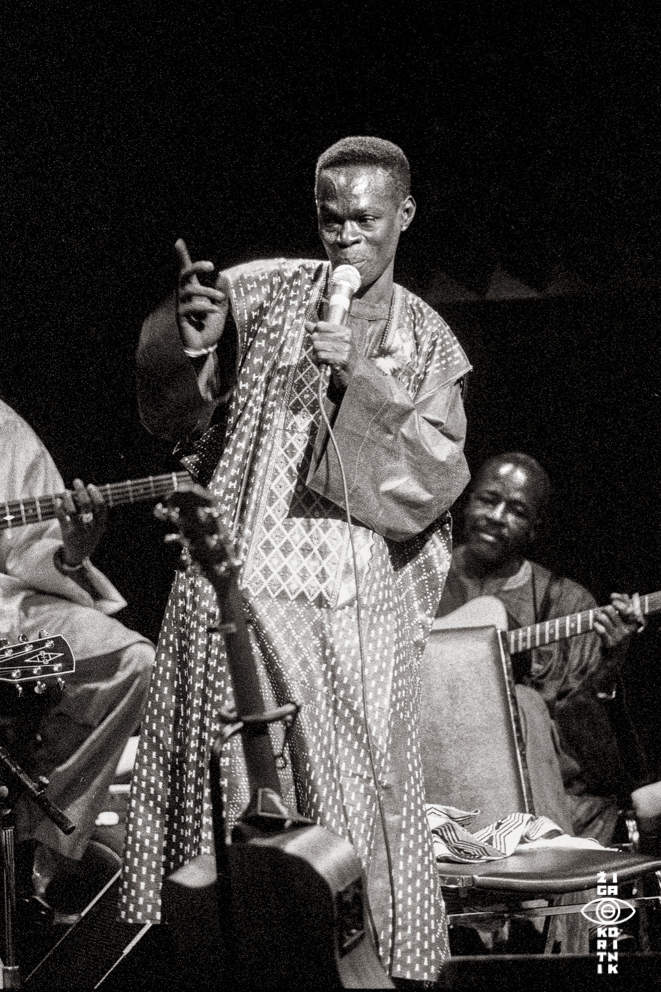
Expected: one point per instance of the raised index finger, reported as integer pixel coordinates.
(185, 260)
(188, 270)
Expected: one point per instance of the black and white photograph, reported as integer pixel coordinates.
(330, 530)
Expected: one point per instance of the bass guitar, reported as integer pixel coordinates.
(291, 893)
(488, 611)
(20, 512)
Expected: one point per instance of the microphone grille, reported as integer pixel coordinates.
(347, 274)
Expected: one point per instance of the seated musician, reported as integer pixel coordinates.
(48, 583)
(577, 677)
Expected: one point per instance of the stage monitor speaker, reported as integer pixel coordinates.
(101, 952)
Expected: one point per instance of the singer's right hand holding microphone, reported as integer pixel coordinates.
(333, 345)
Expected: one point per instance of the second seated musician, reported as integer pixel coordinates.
(235, 368)
(581, 775)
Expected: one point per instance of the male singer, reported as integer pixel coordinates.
(232, 371)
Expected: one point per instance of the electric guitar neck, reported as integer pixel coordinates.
(20, 512)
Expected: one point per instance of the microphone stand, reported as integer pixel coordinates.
(11, 976)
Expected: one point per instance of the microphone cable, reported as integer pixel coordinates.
(361, 651)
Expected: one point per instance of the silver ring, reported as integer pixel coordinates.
(86, 518)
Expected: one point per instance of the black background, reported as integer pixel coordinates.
(534, 145)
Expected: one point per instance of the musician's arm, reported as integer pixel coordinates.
(615, 625)
(403, 457)
(174, 397)
(589, 662)
(27, 554)
(180, 377)
(582, 711)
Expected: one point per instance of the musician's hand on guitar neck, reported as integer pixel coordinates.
(82, 513)
(201, 310)
(616, 623)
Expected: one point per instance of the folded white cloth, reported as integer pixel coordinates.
(518, 831)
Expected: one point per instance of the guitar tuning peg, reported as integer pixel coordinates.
(40, 688)
(43, 633)
(23, 638)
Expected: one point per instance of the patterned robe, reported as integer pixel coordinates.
(277, 486)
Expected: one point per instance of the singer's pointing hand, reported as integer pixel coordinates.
(201, 310)
(333, 345)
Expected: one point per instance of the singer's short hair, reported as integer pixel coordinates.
(368, 151)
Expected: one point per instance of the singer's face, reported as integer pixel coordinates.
(360, 220)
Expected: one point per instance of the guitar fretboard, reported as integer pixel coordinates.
(34, 511)
(549, 631)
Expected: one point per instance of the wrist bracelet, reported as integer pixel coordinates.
(61, 565)
(198, 352)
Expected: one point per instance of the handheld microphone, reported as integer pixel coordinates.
(345, 281)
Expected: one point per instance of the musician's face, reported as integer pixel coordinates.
(501, 515)
(361, 218)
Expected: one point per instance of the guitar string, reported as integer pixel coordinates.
(555, 629)
(361, 651)
(43, 507)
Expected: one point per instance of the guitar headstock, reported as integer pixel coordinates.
(201, 532)
(35, 662)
